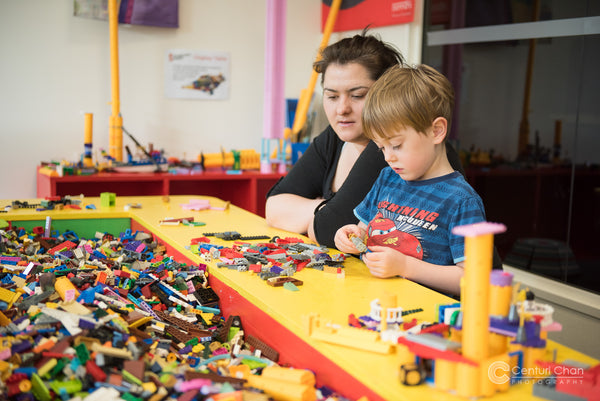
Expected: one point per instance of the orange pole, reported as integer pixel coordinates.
(306, 94)
(115, 138)
(524, 124)
(88, 139)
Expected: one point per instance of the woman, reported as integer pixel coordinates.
(339, 167)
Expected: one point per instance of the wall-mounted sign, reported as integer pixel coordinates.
(358, 14)
(193, 74)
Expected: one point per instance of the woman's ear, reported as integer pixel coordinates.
(439, 129)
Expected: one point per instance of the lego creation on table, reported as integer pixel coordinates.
(264, 308)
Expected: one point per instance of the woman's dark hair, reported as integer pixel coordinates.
(365, 49)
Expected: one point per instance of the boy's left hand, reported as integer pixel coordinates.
(342, 238)
(385, 262)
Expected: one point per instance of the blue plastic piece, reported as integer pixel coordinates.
(99, 254)
(87, 296)
(27, 370)
(133, 299)
(126, 234)
(71, 234)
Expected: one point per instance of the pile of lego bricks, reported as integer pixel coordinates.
(114, 318)
(275, 261)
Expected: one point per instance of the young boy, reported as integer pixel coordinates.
(408, 215)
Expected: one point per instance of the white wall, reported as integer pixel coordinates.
(55, 65)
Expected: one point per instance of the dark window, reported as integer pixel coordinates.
(527, 123)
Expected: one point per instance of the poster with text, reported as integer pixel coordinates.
(358, 14)
(193, 74)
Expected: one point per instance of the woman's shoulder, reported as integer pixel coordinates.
(371, 159)
(327, 145)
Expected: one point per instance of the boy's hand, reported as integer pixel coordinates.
(385, 262)
(342, 238)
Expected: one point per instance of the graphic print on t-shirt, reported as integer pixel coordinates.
(403, 237)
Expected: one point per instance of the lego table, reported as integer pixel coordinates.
(274, 314)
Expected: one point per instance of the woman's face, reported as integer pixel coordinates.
(345, 88)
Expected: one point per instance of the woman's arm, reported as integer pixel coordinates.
(292, 201)
(291, 212)
(339, 211)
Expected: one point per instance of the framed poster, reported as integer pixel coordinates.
(193, 74)
(358, 14)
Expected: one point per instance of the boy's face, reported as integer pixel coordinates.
(409, 153)
(344, 90)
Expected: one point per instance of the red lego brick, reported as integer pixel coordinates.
(65, 245)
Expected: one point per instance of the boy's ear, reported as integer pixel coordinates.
(439, 129)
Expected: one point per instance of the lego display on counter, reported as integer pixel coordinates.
(476, 348)
(114, 317)
(530, 155)
(152, 160)
(48, 203)
(149, 160)
(235, 160)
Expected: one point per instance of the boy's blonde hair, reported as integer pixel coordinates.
(407, 97)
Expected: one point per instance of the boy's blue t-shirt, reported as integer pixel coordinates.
(417, 217)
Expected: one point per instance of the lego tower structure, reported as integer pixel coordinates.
(473, 381)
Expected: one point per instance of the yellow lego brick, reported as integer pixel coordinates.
(150, 387)
(207, 316)
(5, 366)
(141, 322)
(133, 274)
(4, 321)
(19, 281)
(198, 348)
(9, 297)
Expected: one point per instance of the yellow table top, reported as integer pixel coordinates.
(332, 297)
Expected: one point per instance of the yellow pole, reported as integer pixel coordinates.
(115, 138)
(479, 246)
(88, 140)
(476, 302)
(306, 94)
